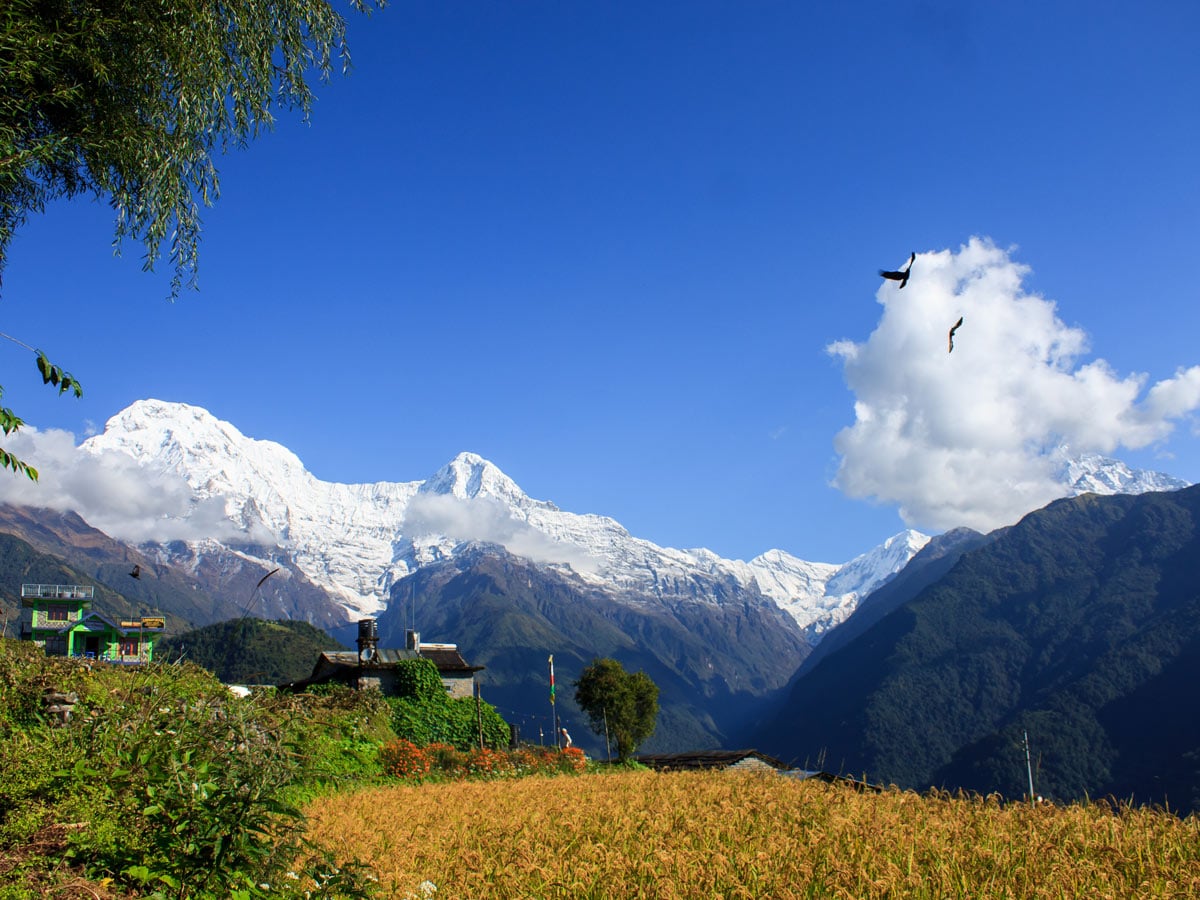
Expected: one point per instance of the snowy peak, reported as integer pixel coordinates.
(469, 476)
(820, 596)
(211, 454)
(1094, 474)
(864, 573)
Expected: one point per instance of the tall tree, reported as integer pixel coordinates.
(623, 703)
(132, 99)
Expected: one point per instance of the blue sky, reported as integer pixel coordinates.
(621, 250)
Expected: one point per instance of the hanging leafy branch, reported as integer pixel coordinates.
(52, 374)
(10, 422)
(131, 100)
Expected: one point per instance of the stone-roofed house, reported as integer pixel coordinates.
(374, 667)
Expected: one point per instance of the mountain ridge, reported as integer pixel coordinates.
(358, 540)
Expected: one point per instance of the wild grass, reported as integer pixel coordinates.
(729, 835)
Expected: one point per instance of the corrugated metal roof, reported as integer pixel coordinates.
(707, 759)
(384, 656)
(447, 659)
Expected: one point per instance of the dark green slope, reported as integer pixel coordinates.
(252, 651)
(1080, 624)
(933, 561)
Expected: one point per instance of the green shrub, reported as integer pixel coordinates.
(335, 735)
(423, 713)
(180, 783)
(418, 679)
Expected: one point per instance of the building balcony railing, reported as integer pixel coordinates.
(112, 657)
(58, 591)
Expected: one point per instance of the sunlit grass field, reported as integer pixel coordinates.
(708, 835)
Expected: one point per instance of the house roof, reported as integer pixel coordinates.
(448, 660)
(125, 628)
(830, 778)
(707, 759)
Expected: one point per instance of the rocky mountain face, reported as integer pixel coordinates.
(193, 584)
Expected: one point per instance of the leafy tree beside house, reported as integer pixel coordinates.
(623, 704)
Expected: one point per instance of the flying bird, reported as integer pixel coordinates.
(950, 337)
(250, 602)
(137, 572)
(902, 275)
(264, 578)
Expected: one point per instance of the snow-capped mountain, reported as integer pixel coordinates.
(339, 535)
(1094, 474)
(356, 540)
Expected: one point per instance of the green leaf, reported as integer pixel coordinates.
(138, 873)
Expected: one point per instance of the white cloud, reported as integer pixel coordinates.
(974, 437)
(487, 520)
(110, 491)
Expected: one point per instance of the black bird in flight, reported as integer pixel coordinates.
(137, 572)
(950, 337)
(264, 578)
(902, 275)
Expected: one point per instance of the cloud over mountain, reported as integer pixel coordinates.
(485, 519)
(111, 491)
(976, 437)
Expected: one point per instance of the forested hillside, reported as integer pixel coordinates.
(1079, 625)
(716, 664)
(252, 651)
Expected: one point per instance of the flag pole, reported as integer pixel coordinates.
(553, 710)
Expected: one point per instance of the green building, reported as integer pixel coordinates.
(63, 622)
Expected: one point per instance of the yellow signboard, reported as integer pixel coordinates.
(154, 622)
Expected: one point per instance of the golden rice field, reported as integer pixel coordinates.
(728, 835)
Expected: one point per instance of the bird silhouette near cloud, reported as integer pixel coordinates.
(950, 337)
(901, 275)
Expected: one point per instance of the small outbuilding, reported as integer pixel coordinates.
(740, 760)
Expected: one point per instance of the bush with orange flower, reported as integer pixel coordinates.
(404, 759)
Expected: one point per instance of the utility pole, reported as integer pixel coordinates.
(607, 743)
(478, 714)
(1029, 768)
